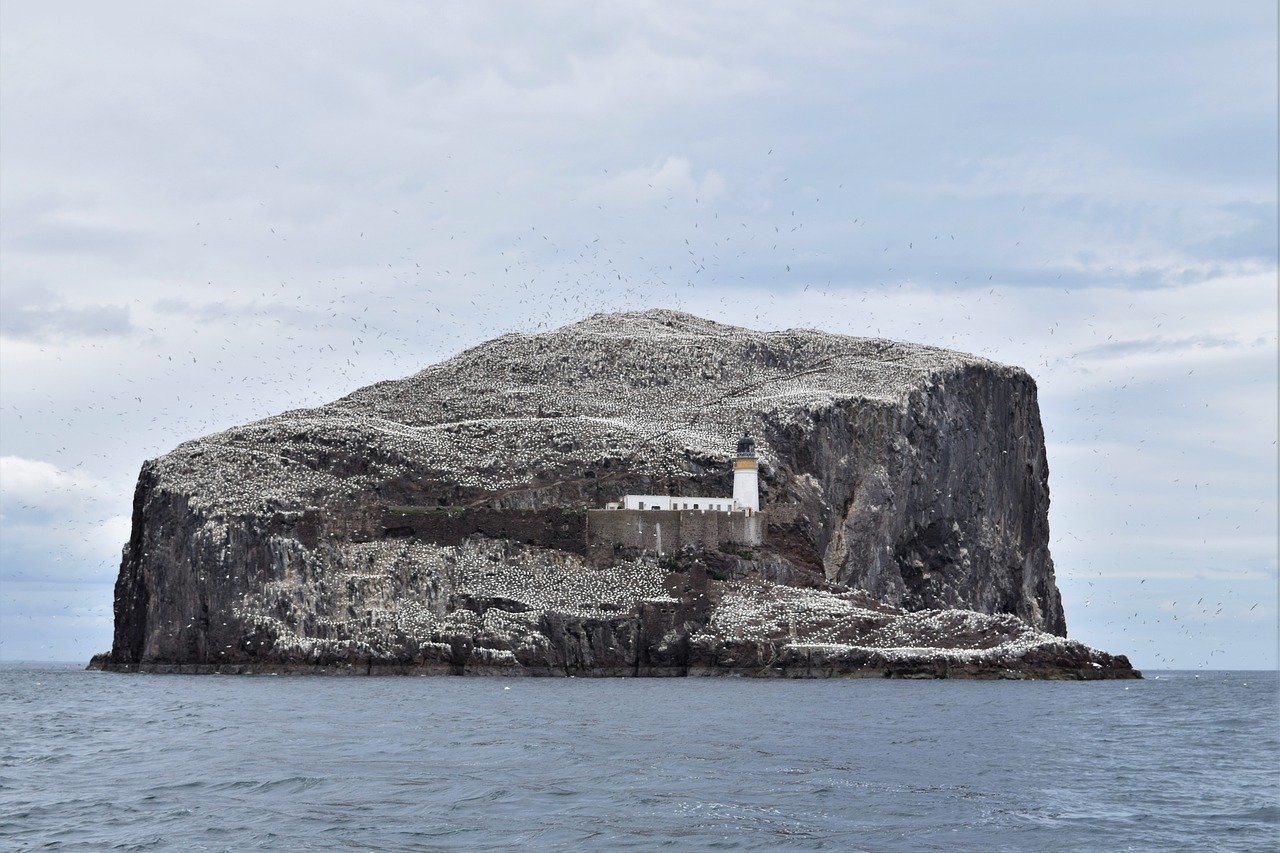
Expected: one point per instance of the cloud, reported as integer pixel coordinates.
(1129, 348)
(109, 535)
(673, 178)
(57, 525)
(31, 483)
(39, 315)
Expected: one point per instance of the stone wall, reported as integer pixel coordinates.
(668, 531)
(552, 527)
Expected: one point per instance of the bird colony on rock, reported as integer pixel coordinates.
(908, 478)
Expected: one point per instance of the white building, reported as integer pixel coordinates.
(680, 503)
(746, 490)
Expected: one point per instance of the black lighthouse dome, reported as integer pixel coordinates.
(746, 445)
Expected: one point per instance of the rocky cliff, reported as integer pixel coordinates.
(434, 523)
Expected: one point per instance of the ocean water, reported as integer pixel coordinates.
(96, 761)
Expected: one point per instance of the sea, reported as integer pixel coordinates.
(101, 761)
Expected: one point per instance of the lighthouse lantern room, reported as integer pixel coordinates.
(746, 476)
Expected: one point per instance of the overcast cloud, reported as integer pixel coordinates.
(215, 212)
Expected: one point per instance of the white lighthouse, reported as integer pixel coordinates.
(746, 477)
(746, 490)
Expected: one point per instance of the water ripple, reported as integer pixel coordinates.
(112, 762)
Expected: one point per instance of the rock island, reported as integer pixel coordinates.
(637, 494)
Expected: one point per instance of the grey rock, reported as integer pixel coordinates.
(433, 523)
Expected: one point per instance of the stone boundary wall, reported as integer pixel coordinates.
(564, 530)
(668, 531)
(594, 533)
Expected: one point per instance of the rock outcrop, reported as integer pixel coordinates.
(434, 523)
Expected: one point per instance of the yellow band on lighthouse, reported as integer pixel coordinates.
(744, 462)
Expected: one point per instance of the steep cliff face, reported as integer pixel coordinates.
(429, 522)
(937, 500)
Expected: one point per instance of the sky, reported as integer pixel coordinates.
(211, 213)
